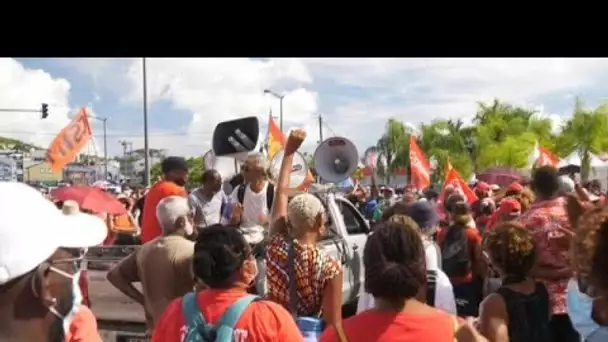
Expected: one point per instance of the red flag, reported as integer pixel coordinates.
(452, 178)
(420, 166)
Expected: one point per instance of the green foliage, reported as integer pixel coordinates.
(500, 135)
(195, 176)
(16, 145)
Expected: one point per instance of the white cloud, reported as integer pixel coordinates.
(355, 96)
(22, 88)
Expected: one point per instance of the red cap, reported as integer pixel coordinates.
(515, 186)
(509, 206)
(482, 187)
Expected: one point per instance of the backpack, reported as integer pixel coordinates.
(240, 194)
(198, 330)
(431, 287)
(456, 261)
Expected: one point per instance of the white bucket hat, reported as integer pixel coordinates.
(32, 229)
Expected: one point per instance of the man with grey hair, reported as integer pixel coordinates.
(251, 205)
(163, 265)
(253, 199)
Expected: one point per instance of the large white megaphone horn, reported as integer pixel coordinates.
(299, 168)
(336, 159)
(226, 167)
(236, 138)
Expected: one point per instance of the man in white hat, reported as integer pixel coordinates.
(41, 250)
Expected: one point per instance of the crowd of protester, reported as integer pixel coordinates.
(524, 262)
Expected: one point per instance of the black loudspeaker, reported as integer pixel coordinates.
(236, 138)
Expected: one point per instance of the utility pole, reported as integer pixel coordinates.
(147, 181)
(318, 179)
(124, 167)
(320, 129)
(130, 152)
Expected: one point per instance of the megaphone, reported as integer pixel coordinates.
(236, 138)
(299, 168)
(226, 167)
(336, 159)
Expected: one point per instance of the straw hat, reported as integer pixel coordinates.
(70, 208)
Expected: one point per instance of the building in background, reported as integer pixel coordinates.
(41, 172)
(8, 169)
(132, 163)
(81, 174)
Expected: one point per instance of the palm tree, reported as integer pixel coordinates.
(585, 133)
(393, 147)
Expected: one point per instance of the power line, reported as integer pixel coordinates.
(329, 128)
(116, 135)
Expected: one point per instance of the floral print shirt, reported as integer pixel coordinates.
(313, 269)
(548, 221)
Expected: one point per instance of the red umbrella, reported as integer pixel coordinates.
(502, 176)
(90, 198)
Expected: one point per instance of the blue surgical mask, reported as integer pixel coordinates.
(580, 308)
(76, 301)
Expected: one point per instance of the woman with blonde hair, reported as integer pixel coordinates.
(299, 274)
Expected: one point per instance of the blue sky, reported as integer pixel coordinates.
(187, 97)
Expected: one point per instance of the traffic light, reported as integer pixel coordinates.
(45, 110)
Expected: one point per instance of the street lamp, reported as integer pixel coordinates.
(280, 97)
(105, 143)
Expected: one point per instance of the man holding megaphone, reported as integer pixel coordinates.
(252, 200)
(250, 206)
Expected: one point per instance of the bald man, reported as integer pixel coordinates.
(208, 201)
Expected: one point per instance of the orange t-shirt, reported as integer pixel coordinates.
(385, 326)
(150, 228)
(473, 240)
(262, 321)
(83, 327)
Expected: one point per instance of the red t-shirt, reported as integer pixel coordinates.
(83, 327)
(262, 320)
(384, 326)
(473, 240)
(150, 228)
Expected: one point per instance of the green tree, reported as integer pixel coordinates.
(584, 133)
(195, 174)
(500, 135)
(505, 135)
(447, 140)
(394, 148)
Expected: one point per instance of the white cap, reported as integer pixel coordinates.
(32, 229)
(566, 183)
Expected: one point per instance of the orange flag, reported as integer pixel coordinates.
(452, 178)
(276, 138)
(70, 141)
(546, 157)
(419, 165)
(276, 142)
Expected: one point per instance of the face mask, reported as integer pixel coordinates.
(188, 228)
(580, 307)
(76, 298)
